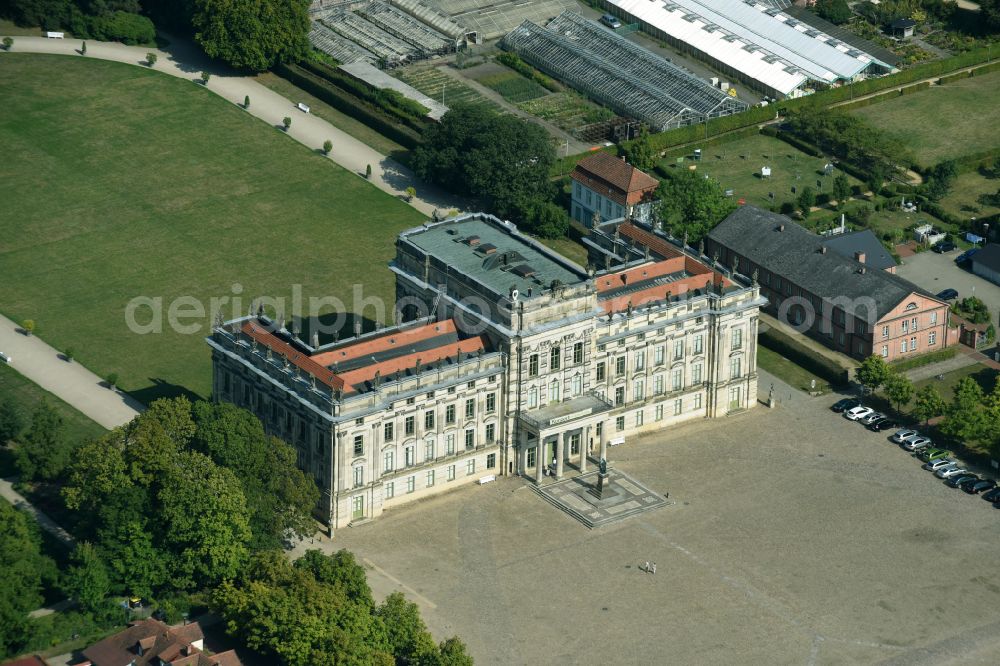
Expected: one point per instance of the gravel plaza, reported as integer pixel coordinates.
(793, 537)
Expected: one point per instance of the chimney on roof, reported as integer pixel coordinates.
(862, 271)
(859, 257)
(822, 249)
(781, 227)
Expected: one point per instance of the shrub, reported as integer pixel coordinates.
(924, 359)
(123, 27)
(794, 351)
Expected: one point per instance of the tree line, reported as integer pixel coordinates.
(250, 35)
(193, 498)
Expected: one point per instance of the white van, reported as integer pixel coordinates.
(303, 107)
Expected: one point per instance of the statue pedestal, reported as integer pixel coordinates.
(602, 483)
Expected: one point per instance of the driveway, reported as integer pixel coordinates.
(71, 382)
(184, 60)
(937, 272)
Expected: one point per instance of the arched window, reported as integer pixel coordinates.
(532, 397)
(554, 391)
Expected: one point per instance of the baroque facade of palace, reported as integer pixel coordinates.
(508, 359)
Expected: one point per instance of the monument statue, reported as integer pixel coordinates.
(603, 466)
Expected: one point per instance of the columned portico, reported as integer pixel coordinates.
(560, 433)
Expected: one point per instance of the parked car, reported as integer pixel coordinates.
(957, 480)
(611, 21)
(931, 454)
(935, 465)
(948, 472)
(980, 486)
(845, 404)
(944, 246)
(948, 294)
(884, 424)
(992, 495)
(917, 443)
(900, 435)
(874, 417)
(858, 412)
(966, 256)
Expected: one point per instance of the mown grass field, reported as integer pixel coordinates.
(943, 122)
(963, 198)
(737, 164)
(120, 182)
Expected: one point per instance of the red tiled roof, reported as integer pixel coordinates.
(160, 644)
(33, 660)
(646, 239)
(400, 363)
(659, 292)
(393, 339)
(644, 272)
(297, 358)
(614, 177)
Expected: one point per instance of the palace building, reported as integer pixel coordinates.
(506, 359)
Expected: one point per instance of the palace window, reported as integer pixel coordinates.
(678, 406)
(696, 373)
(409, 425)
(359, 445)
(470, 408)
(449, 443)
(931, 339)
(677, 380)
(491, 461)
(640, 360)
(491, 402)
(429, 449)
(390, 490)
(600, 371)
(638, 390)
(698, 344)
(620, 423)
(359, 476)
(430, 478)
(578, 352)
(429, 420)
(388, 461)
(697, 401)
(470, 467)
(449, 414)
(735, 367)
(387, 432)
(619, 395)
(411, 483)
(658, 413)
(451, 472)
(533, 365)
(658, 384)
(737, 338)
(678, 349)
(554, 358)
(470, 439)
(554, 391)
(620, 365)
(577, 385)
(491, 431)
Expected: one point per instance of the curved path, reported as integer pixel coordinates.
(186, 61)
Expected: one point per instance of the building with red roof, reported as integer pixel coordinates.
(153, 642)
(506, 359)
(611, 188)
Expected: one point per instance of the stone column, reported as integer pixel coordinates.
(539, 459)
(584, 443)
(560, 452)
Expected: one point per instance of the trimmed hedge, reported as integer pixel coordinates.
(795, 352)
(514, 61)
(391, 101)
(351, 105)
(924, 359)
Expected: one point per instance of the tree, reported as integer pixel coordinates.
(28, 326)
(111, 379)
(928, 404)
(327, 147)
(640, 152)
(83, 49)
(287, 122)
(205, 76)
(12, 422)
(692, 205)
(368, 172)
(899, 389)
(806, 200)
(340, 569)
(246, 102)
(69, 354)
(873, 372)
(252, 35)
(411, 192)
(205, 520)
(44, 451)
(87, 580)
(841, 189)
(834, 11)
(150, 58)
(547, 220)
(453, 653)
(408, 636)
(23, 566)
(965, 417)
(8, 42)
(279, 496)
(940, 179)
(500, 159)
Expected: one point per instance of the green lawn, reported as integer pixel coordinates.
(943, 122)
(963, 199)
(737, 164)
(338, 119)
(513, 87)
(119, 182)
(25, 394)
(789, 372)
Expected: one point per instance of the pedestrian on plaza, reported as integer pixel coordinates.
(654, 567)
(645, 567)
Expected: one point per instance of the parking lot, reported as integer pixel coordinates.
(796, 537)
(937, 272)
